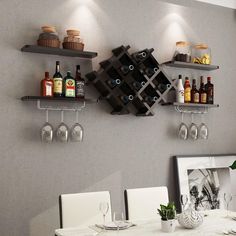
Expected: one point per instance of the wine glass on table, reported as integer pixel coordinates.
(104, 208)
(118, 219)
(227, 199)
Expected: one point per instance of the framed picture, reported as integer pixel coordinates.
(205, 179)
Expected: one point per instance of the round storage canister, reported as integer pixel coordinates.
(201, 54)
(182, 52)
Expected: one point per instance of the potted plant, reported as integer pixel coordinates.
(168, 214)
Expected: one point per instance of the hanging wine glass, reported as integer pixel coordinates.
(62, 130)
(203, 129)
(193, 130)
(183, 129)
(77, 131)
(46, 132)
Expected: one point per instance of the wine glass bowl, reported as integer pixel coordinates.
(62, 130)
(203, 131)
(77, 131)
(183, 129)
(46, 132)
(193, 130)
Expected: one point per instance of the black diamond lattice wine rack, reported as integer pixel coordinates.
(130, 81)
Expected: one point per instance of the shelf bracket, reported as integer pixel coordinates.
(59, 108)
(191, 110)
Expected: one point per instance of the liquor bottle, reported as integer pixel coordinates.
(180, 90)
(112, 83)
(194, 93)
(126, 69)
(202, 91)
(69, 85)
(79, 84)
(209, 87)
(187, 91)
(126, 98)
(47, 86)
(57, 82)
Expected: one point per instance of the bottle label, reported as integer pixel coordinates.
(57, 83)
(48, 89)
(187, 95)
(80, 89)
(180, 96)
(203, 98)
(196, 98)
(70, 88)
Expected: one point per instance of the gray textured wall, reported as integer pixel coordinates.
(119, 151)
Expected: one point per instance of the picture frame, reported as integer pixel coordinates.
(217, 165)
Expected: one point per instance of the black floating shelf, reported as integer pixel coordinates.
(58, 51)
(192, 105)
(62, 99)
(179, 64)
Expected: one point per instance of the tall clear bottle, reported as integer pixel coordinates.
(180, 90)
(57, 82)
(79, 84)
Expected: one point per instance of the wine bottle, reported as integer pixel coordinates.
(209, 87)
(112, 83)
(150, 99)
(150, 71)
(126, 69)
(180, 90)
(126, 98)
(163, 87)
(139, 56)
(202, 92)
(187, 91)
(47, 86)
(79, 84)
(194, 93)
(57, 82)
(69, 85)
(138, 85)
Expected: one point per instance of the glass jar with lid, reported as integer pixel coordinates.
(182, 52)
(201, 54)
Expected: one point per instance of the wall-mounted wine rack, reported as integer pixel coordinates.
(131, 80)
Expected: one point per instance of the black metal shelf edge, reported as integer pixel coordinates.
(62, 99)
(179, 64)
(191, 105)
(58, 51)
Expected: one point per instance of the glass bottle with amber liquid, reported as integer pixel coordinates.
(79, 84)
(187, 91)
(69, 85)
(209, 87)
(202, 92)
(57, 82)
(194, 93)
(47, 86)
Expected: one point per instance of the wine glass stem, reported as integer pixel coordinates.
(104, 219)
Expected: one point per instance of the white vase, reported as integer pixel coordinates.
(168, 226)
(190, 218)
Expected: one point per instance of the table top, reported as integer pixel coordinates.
(215, 222)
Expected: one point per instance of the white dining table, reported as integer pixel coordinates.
(215, 223)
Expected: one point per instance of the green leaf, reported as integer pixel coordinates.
(233, 166)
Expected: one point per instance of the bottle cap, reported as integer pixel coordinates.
(46, 74)
(180, 76)
(78, 67)
(57, 62)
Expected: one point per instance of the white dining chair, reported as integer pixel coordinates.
(142, 203)
(82, 209)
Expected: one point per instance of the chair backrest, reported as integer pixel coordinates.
(142, 203)
(82, 209)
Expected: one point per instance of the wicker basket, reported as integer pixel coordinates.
(73, 46)
(53, 43)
